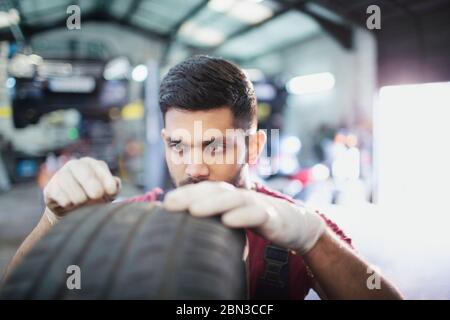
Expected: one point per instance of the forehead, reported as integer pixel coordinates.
(218, 119)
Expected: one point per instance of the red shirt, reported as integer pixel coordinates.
(300, 280)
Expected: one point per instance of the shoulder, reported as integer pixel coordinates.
(270, 192)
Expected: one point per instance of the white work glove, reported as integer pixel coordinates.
(79, 182)
(279, 221)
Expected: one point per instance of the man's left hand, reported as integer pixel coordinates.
(279, 221)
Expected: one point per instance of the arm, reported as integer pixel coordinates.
(339, 271)
(41, 229)
(341, 274)
(77, 183)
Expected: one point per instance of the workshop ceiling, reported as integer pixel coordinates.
(414, 39)
(412, 30)
(216, 25)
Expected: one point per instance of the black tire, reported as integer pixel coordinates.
(134, 251)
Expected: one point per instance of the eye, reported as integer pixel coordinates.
(216, 148)
(176, 146)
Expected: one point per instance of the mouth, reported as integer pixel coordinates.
(191, 181)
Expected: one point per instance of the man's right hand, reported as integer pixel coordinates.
(79, 182)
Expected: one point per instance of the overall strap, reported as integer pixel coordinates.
(274, 284)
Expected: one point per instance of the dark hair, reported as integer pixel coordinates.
(205, 83)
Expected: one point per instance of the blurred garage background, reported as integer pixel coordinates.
(363, 114)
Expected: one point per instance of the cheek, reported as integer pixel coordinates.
(240, 154)
(175, 169)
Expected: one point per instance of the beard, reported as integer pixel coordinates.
(236, 180)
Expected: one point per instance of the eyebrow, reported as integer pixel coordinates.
(170, 140)
(178, 140)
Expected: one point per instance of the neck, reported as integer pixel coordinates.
(244, 180)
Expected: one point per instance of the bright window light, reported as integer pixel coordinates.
(139, 73)
(412, 145)
(412, 157)
(312, 83)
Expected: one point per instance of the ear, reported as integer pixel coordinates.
(257, 142)
(163, 134)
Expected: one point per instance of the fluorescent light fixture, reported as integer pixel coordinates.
(139, 73)
(221, 5)
(248, 11)
(311, 83)
(204, 35)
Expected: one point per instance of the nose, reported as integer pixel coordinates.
(197, 171)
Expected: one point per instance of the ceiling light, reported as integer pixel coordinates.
(139, 73)
(311, 83)
(203, 35)
(221, 5)
(248, 11)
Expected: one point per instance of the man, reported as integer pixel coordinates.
(291, 248)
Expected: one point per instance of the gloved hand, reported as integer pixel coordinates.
(79, 182)
(279, 221)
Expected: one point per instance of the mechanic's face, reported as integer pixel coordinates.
(204, 145)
